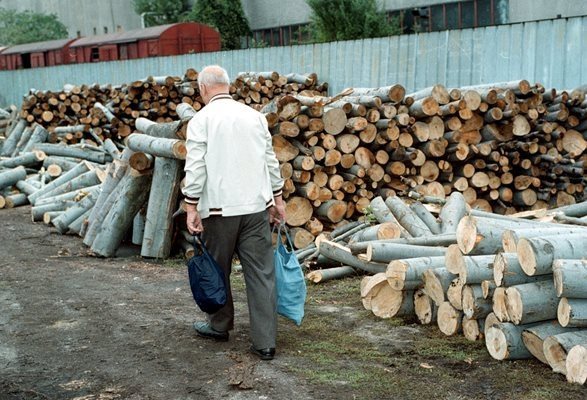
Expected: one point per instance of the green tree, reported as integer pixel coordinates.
(227, 16)
(161, 12)
(27, 27)
(349, 19)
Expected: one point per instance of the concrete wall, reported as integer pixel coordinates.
(456, 58)
(84, 15)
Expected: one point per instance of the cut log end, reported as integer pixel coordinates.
(471, 329)
(563, 312)
(515, 307)
(449, 319)
(424, 308)
(576, 364)
(467, 234)
(527, 256)
(496, 343)
(555, 354)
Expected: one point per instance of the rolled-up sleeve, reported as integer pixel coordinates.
(272, 162)
(195, 165)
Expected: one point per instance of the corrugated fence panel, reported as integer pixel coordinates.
(553, 53)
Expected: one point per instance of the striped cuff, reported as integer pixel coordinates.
(192, 200)
(277, 192)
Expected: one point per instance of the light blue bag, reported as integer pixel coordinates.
(291, 285)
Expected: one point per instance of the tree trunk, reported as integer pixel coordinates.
(72, 213)
(534, 336)
(508, 272)
(68, 151)
(12, 140)
(298, 211)
(84, 180)
(11, 176)
(121, 214)
(436, 283)
(160, 147)
(342, 254)
(449, 319)
(576, 363)
(426, 310)
(570, 278)
(158, 232)
(556, 348)
(406, 217)
(476, 269)
(532, 302)
(386, 252)
(572, 312)
(474, 304)
(426, 216)
(452, 212)
(407, 273)
(333, 210)
(504, 341)
(536, 255)
(114, 175)
(29, 160)
(387, 230)
(325, 275)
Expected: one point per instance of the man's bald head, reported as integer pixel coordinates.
(213, 80)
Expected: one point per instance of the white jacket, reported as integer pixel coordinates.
(231, 168)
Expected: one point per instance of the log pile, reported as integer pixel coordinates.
(519, 284)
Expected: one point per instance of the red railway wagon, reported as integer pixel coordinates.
(2, 60)
(38, 54)
(163, 40)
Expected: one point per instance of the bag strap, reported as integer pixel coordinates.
(283, 227)
(198, 244)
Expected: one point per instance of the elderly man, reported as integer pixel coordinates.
(233, 191)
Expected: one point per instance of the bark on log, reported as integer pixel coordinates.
(84, 180)
(12, 140)
(68, 151)
(476, 269)
(436, 283)
(325, 275)
(556, 348)
(121, 214)
(532, 302)
(572, 312)
(536, 255)
(29, 160)
(534, 336)
(114, 174)
(569, 278)
(504, 341)
(158, 232)
(406, 217)
(387, 252)
(342, 254)
(12, 176)
(72, 213)
(407, 273)
(452, 212)
(507, 271)
(425, 309)
(160, 147)
(426, 216)
(475, 306)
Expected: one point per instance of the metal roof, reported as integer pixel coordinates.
(123, 37)
(2, 48)
(37, 46)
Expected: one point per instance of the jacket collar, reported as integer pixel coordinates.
(220, 96)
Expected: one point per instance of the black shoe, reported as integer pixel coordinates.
(263, 354)
(204, 329)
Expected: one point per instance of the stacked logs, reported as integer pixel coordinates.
(505, 147)
(517, 283)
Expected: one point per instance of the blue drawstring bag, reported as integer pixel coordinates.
(207, 280)
(290, 282)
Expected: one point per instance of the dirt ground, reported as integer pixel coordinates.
(78, 327)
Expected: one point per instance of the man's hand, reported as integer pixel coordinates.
(277, 212)
(194, 222)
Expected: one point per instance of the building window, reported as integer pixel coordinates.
(454, 15)
(280, 36)
(79, 34)
(105, 29)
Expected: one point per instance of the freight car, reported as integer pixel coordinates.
(163, 40)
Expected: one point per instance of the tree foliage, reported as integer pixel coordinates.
(161, 12)
(227, 16)
(27, 27)
(349, 19)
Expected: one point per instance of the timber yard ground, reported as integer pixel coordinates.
(78, 327)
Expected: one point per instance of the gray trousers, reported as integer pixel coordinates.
(249, 236)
